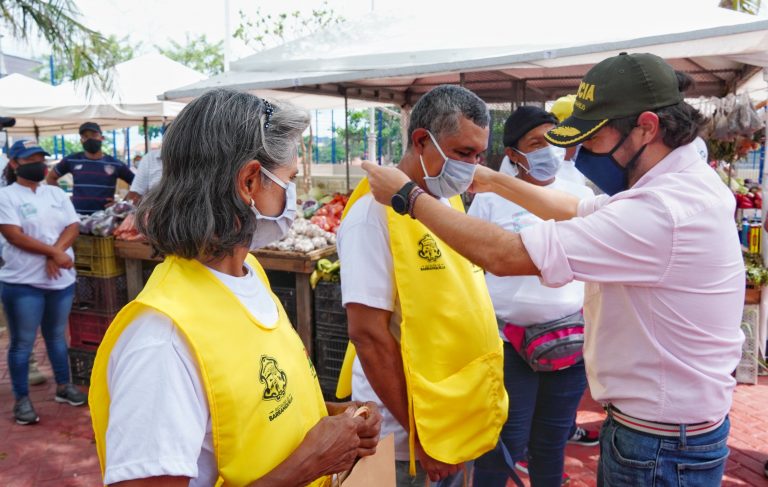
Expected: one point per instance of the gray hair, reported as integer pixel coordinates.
(196, 210)
(439, 110)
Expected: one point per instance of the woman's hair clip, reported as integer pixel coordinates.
(268, 111)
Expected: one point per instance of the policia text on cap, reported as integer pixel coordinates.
(662, 265)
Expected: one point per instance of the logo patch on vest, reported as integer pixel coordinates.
(274, 379)
(429, 251)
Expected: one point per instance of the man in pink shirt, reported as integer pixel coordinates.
(659, 254)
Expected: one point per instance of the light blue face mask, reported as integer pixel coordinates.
(455, 177)
(273, 228)
(544, 162)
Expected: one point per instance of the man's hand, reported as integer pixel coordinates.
(436, 470)
(333, 443)
(52, 269)
(482, 180)
(61, 259)
(385, 181)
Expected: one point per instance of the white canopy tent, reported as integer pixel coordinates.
(132, 101)
(21, 97)
(511, 52)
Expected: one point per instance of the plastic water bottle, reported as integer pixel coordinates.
(745, 232)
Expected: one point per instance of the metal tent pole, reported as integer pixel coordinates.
(346, 134)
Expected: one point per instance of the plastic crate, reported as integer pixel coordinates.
(287, 296)
(330, 316)
(95, 257)
(90, 245)
(80, 365)
(100, 294)
(99, 266)
(329, 357)
(86, 330)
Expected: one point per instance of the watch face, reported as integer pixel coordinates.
(399, 203)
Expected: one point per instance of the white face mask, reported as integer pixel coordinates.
(273, 228)
(455, 177)
(544, 162)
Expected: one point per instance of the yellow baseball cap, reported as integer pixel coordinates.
(563, 107)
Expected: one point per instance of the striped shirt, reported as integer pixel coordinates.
(94, 180)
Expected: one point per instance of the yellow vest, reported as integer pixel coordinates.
(261, 386)
(452, 353)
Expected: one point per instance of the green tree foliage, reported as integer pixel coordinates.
(118, 51)
(747, 6)
(72, 144)
(155, 131)
(392, 147)
(263, 30)
(84, 50)
(198, 53)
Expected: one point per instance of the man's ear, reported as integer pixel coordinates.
(419, 139)
(249, 180)
(648, 123)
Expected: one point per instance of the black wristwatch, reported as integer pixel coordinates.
(400, 199)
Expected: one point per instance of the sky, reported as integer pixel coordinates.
(152, 22)
(147, 23)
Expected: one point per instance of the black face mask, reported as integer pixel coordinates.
(92, 146)
(34, 171)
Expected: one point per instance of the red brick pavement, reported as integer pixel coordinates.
(59, 451)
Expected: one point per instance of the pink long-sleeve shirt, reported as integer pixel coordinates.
(664, 294)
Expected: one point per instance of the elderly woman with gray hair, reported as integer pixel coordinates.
(202, 380)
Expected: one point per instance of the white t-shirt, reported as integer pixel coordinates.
(42, 214)
(523, 300)
(367, 277)
(149, 173)
(159, 421)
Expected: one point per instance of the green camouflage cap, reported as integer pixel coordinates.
(620, 86)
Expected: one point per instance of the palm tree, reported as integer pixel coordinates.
(84, 50)
(747, 6)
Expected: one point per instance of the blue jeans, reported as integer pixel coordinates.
(27, 308)
(542, 410)
(628, 457)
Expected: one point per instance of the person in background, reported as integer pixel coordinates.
(39, 225)
(35, 376)
(542, 403)
(661, 261)
(94, 173)
(148, 175)
(167, 408)
(420, 315)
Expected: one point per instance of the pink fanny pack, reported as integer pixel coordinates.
(551, 346)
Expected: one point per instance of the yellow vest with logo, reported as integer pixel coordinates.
(452, 353)
(261, 386)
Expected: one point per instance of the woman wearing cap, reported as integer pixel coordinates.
(39, 224)
(662, 265)
(543, 397)
(202, 379)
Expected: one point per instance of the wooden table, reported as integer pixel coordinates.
(301, 265)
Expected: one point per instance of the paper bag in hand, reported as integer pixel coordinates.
(377, 470)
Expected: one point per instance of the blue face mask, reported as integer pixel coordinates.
(603, 170)
(455, 177)
(544, 162)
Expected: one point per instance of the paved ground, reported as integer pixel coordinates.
(59, 451)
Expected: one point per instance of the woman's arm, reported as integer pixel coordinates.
(330, 447)
(16, 237)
